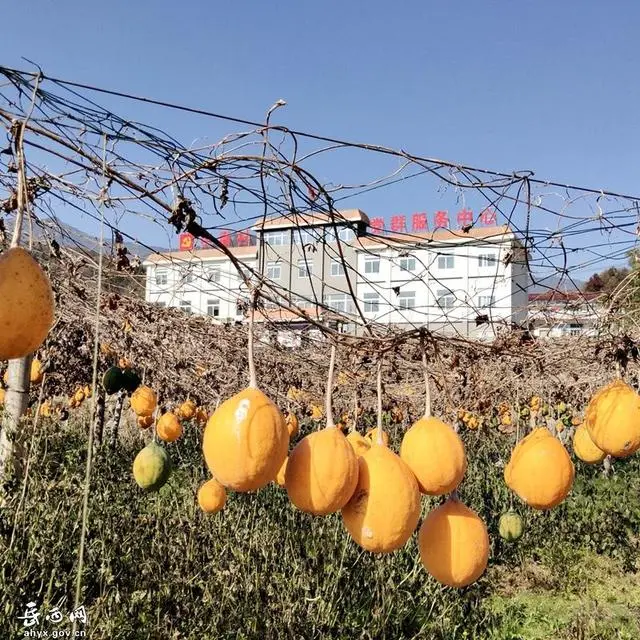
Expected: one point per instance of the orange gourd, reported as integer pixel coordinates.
(168, 427)
(187, 410)
(144, 401)
(385, 507)
(212, 496)
(26, 304)
(584, 447)
(540, 470)
(35, 375)
(292, 425)
(358, 442)
(613, 419)
(454, 544)
(433, 451)
(322, 471)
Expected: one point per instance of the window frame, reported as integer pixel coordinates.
(213, 303)
(445, 293)
(161, 272)
(274, 265)
(443, 261)
(487, 260)
(308, 267)
(372, 260)
(406, 296)
(340, 268)
(371, 302)
(408, 259)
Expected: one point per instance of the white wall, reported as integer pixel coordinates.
(200, 291)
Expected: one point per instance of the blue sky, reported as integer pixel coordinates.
(547, 86)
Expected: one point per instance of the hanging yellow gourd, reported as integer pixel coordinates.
(322, 471)
(540, 470)
(212, 496)
(433, 450)
(26, 304)
(613, 419)
(385, 507)
(454, 544)
(292, 425)
(168, 427)
(358, 442)
(584, 447)
(246, 439)
(144, 401)
(187, 410)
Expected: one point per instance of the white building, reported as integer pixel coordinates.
(447, 281)
(202, 281)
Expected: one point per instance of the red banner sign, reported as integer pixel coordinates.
(440, 220)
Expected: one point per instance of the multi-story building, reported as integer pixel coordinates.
(555, 314)
(202, 281)
(452, 281)
(449, 281)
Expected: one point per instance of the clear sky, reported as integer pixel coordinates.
(543, 85)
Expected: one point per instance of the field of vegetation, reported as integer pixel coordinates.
(157, 567)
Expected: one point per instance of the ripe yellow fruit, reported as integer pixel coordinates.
(168, 427)
(187, 410)
(540, 470)
(212, 496)
(613, 419)
(506, 419)
(435, 454)
(144, 422)
(584, 447)
(372, 436)
(245, 441)
(36, 371)
(292, 425)
(79, 395)
(454, 544)
(385, 507)
(358, 442)
(322, 472)
(201, 415)
(45, 409)
(26, 304)
(87, 391)
(144, 401)
(280, 478)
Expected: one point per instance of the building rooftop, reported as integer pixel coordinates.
(197, 255)
(564, 296)
(311, 218)
(503, 232)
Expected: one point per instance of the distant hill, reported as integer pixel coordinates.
(549, 283)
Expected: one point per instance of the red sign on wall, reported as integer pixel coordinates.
(187, 242)
(441, 220)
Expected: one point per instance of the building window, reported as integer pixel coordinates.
(301, 303)
(161, 276)
(445, 261)
(187, 275)
(445, 299)
(346, 234)
(303, 236)
(213, 274)
(371, 303)
(485, 302)
(487, 260)
(371, 265)
(213, 307)
(408, 264)
(305, 269)
(407, 300)
(275, 238)
(185, 306)
(337, 268)
(273, 271)
(336, 301)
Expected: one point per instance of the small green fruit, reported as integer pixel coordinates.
(130, 380)
(152, 467)
(113, 380)
(511, 526)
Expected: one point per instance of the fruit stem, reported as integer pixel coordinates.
(427, 396)
(253, 383)
(329, 393)
(379, 436)
(354, 426)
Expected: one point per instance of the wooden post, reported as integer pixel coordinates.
(15, 405)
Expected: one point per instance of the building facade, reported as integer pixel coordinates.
(448, 281)
(557, 314)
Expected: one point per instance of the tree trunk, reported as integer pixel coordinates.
(114, 423)
(15, 404)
